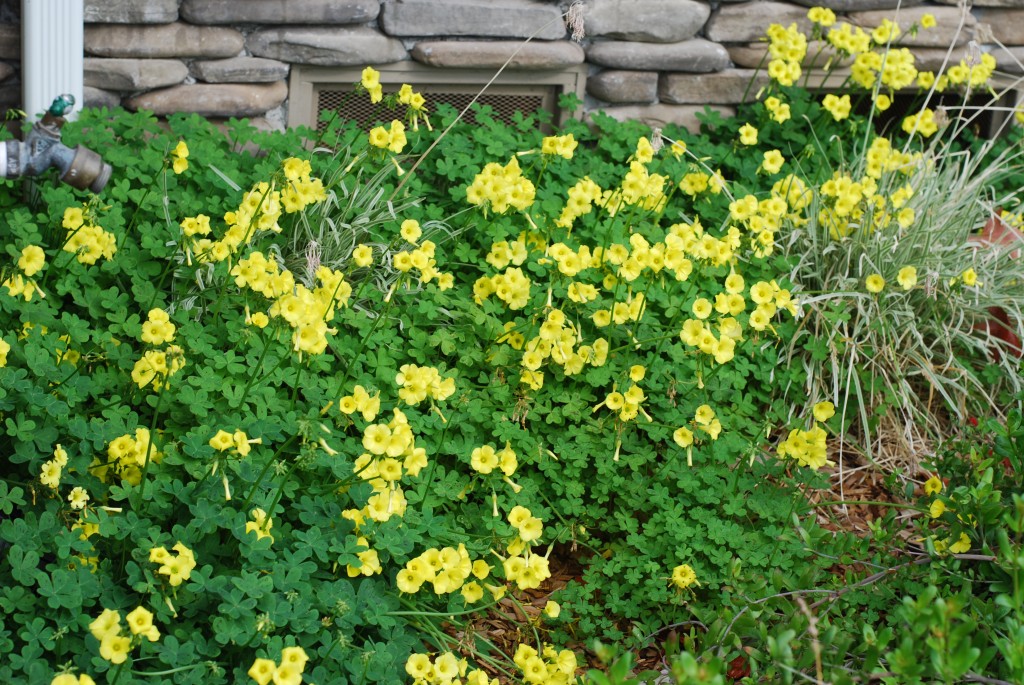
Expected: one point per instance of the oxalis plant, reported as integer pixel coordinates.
(289, 437)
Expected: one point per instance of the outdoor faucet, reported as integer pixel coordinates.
(42, 148)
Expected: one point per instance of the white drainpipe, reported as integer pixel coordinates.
(52, 48)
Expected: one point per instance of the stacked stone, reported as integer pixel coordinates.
(217, 58)
(657, 65)
(655, 60)
(223, 58)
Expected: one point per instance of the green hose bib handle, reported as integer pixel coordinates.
(62, 104)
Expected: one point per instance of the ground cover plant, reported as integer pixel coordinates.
(331, 416)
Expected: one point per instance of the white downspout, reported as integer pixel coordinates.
(52, 50)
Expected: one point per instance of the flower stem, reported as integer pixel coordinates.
(149, 447)
(266, 468)
(117, 673)
(167, 672)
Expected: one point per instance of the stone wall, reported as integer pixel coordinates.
(658, 60)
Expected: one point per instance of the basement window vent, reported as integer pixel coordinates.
(989, 112)
(315, 91)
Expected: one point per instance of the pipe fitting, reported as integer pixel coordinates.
(43, 149)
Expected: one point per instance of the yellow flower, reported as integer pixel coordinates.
(180, 157)
(702, 308)
(928, 21)
(418, 666)
(906, 217)
(70, 679)
(296, 169)
(114, 648)
(74, 218)
(396, 136)
(552, 609)
(683, 576)
(260, 524)
(50, 474)
(822, 16)
(883, 102)
(838, 107)
(762, 292)
(886, 31)
(108, 622)
(157, 328)
(531, 529)
(962, 545)
(823, 411)
(907, 277)
(923, 123)
(32, 259)
(472, 592)
(78, 497)
(371, 82)
(408, 582)
(614, 400)
(446, 667)
(177, 568)
(937, 509)
(362, 255)
(563, 146)
(411, 231)
(140, 622)
(484, 459)
(734, 284)
(481, 569)
(262, 670)
(222, 441)
(773, 161)
(970, 277)
(748, 134)
(405, 94)
(874, 283)
(379, 137)
(683, 436)
(294, 656)
(933, 486)
(5, 347)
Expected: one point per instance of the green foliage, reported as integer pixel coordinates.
(367, 415)
(139, 413)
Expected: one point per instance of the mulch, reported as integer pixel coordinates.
(508, 624)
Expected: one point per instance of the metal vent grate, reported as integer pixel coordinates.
(316, 91)
(986, 124)
(364, 113)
